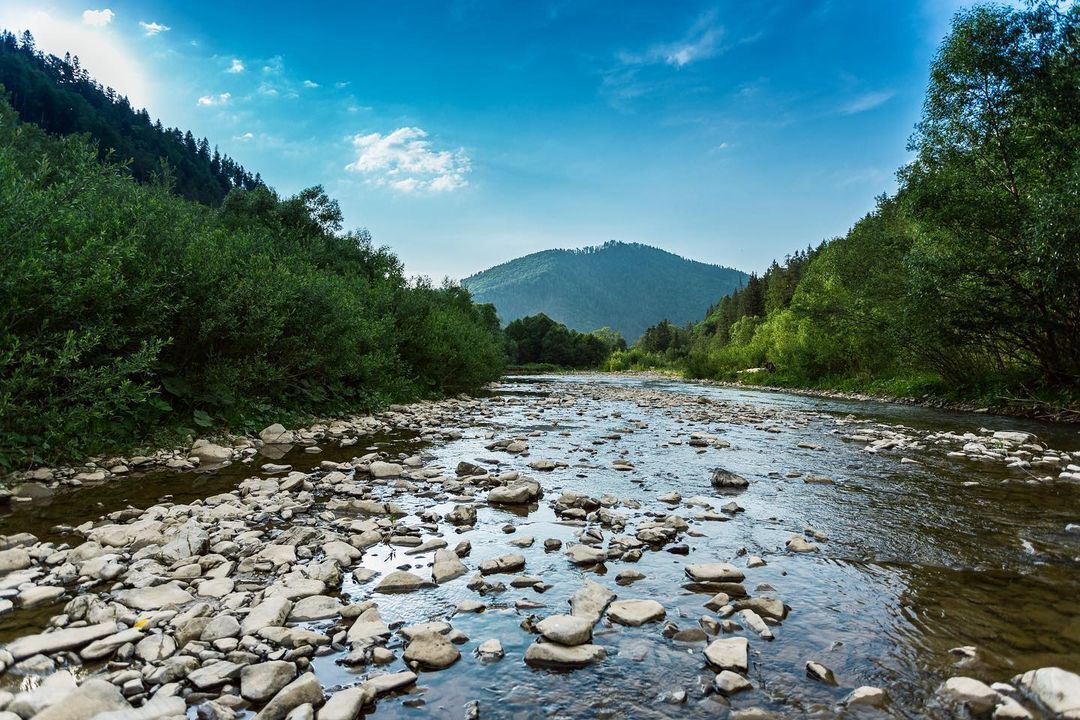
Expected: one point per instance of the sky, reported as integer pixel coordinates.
(463, 134)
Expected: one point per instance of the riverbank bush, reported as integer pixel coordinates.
(126, 310)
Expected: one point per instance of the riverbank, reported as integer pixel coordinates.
(462, 557)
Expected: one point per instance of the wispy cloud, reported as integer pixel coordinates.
(866, 101)
(246, 137)
(236, 67)
(152, 28)
(405, 161)
(209, 100)
(701, 42)
(639, 73)
(98, 18)
(310, 84)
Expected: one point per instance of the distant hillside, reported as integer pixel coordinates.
(626, 286)
(59, 96)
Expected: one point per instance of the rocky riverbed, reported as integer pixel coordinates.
(565, 547)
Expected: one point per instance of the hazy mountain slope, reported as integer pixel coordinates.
(626, 286)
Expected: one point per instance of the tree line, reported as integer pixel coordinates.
(131, 315)
(967, 278)
(60, 96)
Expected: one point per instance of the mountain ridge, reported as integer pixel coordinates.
(626, 286)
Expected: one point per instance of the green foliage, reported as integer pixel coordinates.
(59, 96)
(540, 340)
(967, 280)
(626, 286)
(125, 309)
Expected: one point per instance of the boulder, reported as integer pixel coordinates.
(1055, 689)
(94, 698)
(729, 654)
(271, 612)
(724, 480)
(447, 566)
(590, 601)
(347, 704)
(303, 690)
(977, 696)
(262, 681)
(566, 629)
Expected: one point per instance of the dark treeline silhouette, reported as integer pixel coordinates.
(59, 96)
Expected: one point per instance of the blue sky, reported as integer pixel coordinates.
(466, 133)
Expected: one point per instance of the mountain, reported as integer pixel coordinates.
(626, 286)
(59, 96)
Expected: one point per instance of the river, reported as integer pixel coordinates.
(918, 552)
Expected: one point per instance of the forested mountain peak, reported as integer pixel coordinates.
(60, 96)
(627, 286)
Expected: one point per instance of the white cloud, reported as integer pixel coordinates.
(405, 161)
(208, 100)
(246, 137)
(98, 18)
(106, 54)
(310, 84)
(701, 42)
(153, 28)
(236, 67)
(869, 101)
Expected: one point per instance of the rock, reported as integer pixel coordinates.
(92, 699)
(590, 601)
(271, 612)
(714, 572)
(566, 629)
(303, 690)
(400, 581)
(724, 480)
(388, 682)
(315, 607)
(347, 704)
(1055, 689)
(369, 626)
(817, 671)
(385, 470)
(867, 696)
(222, 626)
(276, 434)
(542, 465)
(38, 595)
(729, 683)
(214, 674)
(462, 515)
(190, 539)
(799, 544)
(563, 656)
(977, 696)
(159, 707)
(67, 639)
(520, 493)
(729, 654)
(263, 681)
(210, 453)
(635, 612)
(447, 566)
(13, 559)
(52, 690)
(157, 597)
(108, 645)
(503, 564)
(766, 607)
(585, 555)
(490, 649)
(431, 651)
(1009, 709)
(154, 648)
(753, 621)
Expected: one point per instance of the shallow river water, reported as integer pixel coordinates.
(918, 559)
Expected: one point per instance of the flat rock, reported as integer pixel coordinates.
(635, 612)
(585, 555)
(447, 566)
(563, 656)
(400, 581)
(67, 639)
(566, 629)
(93, 698)
(729, 683)
(388, 682)
(303, 690)
(729, 654)
(975, 695)
(503, 564)
(431, 651)
(315, 607)
(262, 681)
(157, 597)
(347, 704)
(714, 572)
(272, 611)
(590, 601)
